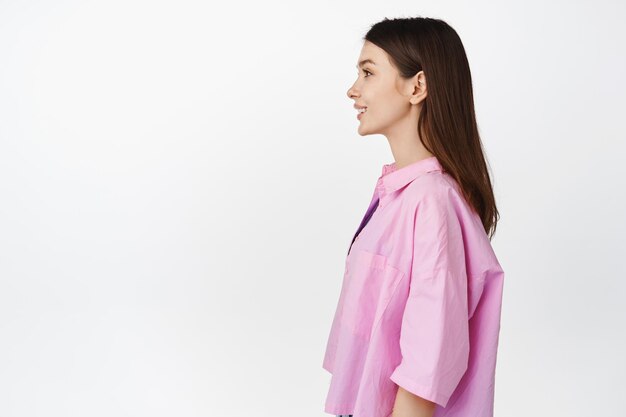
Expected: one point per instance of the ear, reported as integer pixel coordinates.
(420, 92)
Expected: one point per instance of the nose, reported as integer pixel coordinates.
(351, 92)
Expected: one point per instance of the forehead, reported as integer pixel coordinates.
(372, 55)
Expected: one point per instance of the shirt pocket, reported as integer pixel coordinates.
(370, 284)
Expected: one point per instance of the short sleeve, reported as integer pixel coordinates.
(434, 336)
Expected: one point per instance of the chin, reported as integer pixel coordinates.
(363, 131)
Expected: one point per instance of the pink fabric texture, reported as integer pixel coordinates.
(420, 302)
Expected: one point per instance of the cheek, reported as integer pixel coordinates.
(385, 104)
(389, 105)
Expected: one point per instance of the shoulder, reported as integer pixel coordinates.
(436, 198)
(435, 189)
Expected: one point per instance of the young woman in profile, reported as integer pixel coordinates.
(416, 328)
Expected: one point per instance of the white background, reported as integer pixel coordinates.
(180, 181)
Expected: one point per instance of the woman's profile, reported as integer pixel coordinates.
(415, 331)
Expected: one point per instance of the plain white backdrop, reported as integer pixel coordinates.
(180, 181)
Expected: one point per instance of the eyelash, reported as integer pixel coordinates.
(367, 72)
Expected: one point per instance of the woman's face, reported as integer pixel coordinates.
(391, 102)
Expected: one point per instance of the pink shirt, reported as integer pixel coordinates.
(420, 302)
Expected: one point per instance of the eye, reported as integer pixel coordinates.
(366, 71)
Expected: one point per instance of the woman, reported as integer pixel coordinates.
(416, 328)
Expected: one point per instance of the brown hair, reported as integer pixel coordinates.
(447, 123)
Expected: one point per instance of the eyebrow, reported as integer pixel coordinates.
(365, 61)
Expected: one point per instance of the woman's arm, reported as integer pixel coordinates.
(410, 405)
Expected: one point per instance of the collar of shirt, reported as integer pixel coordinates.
(392, 178)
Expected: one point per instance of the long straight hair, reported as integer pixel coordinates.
(447, 123)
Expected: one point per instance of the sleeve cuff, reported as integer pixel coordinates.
(427, 393)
